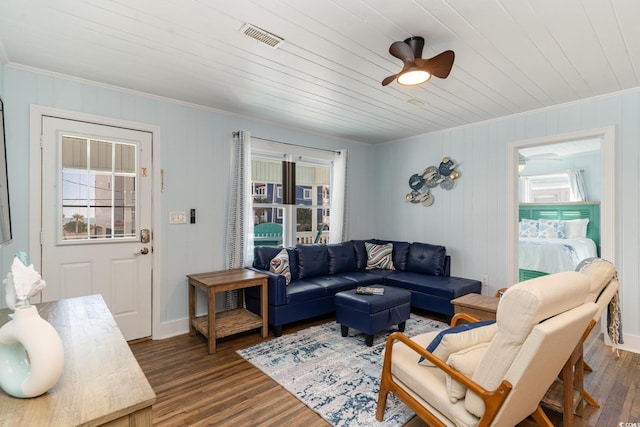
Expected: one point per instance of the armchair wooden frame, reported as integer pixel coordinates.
(493, 400)
(587, 397)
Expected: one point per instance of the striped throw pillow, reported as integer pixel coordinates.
(379, 256)
(280, 265)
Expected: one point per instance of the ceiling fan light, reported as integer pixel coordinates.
(413, 76)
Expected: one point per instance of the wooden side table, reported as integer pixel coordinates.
(218, 325)
(481, 307)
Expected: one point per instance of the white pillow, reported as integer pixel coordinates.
(464, 361)
(458, 338)
(576, 228)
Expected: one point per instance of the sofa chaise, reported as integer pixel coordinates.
(315, 273)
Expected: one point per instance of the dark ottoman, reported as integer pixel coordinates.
(372, 313)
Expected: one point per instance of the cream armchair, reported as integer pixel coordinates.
(495, 374)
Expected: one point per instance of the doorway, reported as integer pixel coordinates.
(607, 199)
(93, 210)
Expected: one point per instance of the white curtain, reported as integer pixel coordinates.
(577, 189)
(338, 214)
(240, 218)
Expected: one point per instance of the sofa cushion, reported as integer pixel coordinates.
(424, 258)
(362, 278)
(400, 253)
(427, 382)
(280, 265)
(464, 361)
(459, 337)
(313, 260)
(332, 284)
(441, 286)
(361, 253)
(262, 256)
(301, 290)
(379, 256)
(342, 257)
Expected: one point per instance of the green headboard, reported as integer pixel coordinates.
(566, 211)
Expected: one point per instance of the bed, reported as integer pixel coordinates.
(556, 251)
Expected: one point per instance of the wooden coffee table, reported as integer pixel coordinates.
(481, 307)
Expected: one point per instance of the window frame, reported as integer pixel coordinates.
(274, 151)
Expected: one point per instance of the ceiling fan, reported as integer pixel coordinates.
(417, 70)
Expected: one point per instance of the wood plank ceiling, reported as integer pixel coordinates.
(511, 56)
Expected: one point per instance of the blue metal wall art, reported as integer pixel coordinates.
(422, 183)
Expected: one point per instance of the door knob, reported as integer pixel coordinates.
(143, 251)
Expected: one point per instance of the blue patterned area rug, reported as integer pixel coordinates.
(338, 377)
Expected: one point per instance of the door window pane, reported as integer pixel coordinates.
(98, 189)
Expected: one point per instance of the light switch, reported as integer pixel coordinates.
(177, 217)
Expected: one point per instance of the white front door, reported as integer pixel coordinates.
(96, 218)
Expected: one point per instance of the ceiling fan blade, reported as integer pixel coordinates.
(440, 65)
(389, 79)
(402, 51)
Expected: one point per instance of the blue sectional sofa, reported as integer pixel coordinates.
(318, 272)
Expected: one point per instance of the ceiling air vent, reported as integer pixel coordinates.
(262, 36)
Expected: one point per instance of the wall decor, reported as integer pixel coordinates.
(422, 183)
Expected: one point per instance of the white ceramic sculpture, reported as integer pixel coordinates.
(31, 352)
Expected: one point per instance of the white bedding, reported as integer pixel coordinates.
(554, 255)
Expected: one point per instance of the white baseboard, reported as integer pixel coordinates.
(631, 343)
(171, 329)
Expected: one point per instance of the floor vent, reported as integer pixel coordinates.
(262, 36)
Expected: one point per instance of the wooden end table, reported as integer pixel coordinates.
(481, 307)
(218, 325)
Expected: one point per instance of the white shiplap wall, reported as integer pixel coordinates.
(195, 155)
(470, 220)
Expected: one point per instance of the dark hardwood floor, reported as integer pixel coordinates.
(222, 389)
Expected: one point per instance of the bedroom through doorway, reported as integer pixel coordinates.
(557, 218)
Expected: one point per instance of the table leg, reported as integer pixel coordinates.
(567, 394)
(264, 296)
(192, 308)
(240, 300)
(211, 314)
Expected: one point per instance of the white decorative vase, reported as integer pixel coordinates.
(31, 354)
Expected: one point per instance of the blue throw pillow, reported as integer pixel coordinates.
(313, 260)
(462, 336)
(342, 257)
(361, 253)
(426, 259)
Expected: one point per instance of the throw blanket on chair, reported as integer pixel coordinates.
(604, 271)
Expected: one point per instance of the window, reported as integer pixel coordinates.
(98, 189)
(309, 217)
(547, 188)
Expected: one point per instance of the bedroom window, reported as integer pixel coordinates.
(547, 188)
